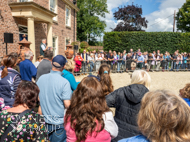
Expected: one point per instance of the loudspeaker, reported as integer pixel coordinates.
(8, 38)
(76, 47)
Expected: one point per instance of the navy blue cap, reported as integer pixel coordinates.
(59, 61)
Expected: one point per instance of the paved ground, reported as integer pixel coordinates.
(160, 80)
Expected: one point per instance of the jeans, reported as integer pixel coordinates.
(119, 63)
(91, 66)
(56, 133)
(184, 65)
(178, 67)
(84, 64)
(174, 65)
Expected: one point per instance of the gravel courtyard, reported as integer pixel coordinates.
(160, 80)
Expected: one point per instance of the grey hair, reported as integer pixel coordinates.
(28, 54)
(43, 39)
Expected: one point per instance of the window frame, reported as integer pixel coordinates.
(55, 9)
(69, 22)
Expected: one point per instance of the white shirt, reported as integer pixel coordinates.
(36, 64)
(43, 46)
(100, 58)
(110, 125)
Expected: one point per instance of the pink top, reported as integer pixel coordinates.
(102, 136)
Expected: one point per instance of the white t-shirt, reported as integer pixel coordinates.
(100, 58)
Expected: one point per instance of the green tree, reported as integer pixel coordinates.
(183, 16)
(88, 18)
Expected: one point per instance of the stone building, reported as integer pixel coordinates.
(54, 20)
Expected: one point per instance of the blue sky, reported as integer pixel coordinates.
(154, 11)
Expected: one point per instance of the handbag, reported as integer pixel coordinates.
(11, 126)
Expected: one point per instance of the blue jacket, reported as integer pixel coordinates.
(70, 77)
(139, 138)
(187, 101)
(8, 86)
(27, 70)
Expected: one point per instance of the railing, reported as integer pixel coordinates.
(120, 66)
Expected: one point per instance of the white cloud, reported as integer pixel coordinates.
(158, 20)
(166, 9)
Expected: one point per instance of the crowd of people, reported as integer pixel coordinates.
(119, 62)
(47, 104)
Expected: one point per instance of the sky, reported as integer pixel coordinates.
(155, 11)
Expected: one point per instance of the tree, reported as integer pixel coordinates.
(131, 18)
(88, 18)
(183, 16)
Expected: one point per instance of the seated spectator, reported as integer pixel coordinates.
(88, 118)
(39, 59)
(27, 68)
(163, 117)
(26, 124)
(127, 101)
(78, 63)
(104, 78)
(9, 81)
(45, 65)
(185, 93)
(68, 74)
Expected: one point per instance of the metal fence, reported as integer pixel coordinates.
(130, 65)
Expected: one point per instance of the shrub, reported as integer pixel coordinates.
(146, 41)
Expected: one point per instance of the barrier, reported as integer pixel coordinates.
(119, 66)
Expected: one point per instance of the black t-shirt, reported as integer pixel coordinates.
(110, 56)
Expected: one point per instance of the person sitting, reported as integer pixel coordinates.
(27, 68)
(39, 59)
(88, 118)
(9, 81)
(26, 124)
(104, 78)
(127, 101)
(185, 93)
(68, 74)
(163, 117)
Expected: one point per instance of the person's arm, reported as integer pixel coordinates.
(110, 125)
(44, 48)
(72, 82)
(111, 98)
(16, 82)
(66, 94)
(33, 70)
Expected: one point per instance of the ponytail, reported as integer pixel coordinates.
(105, 79)
(4, 72)
(8, 61)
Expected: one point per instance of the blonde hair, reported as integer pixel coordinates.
(164, 117)
(70, 65)
(141, 77)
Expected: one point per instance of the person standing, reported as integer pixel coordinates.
(40, 58)
(9, 81)
(140, 60)
(85, 61)
(43, 47)
(55, 95)
(27, 68)
(45, 65)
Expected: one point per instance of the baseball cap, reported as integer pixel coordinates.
(59, 61)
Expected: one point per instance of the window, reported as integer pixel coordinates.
(52, 5)
(68, 17)
(23, 30)
(55, 46)
(53, 8)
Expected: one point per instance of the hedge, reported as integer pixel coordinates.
(147, 41)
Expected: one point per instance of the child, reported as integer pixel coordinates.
(185, 93)
(88, 118)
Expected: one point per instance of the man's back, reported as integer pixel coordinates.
(27, 70)
(43, 68)
(54, 89)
